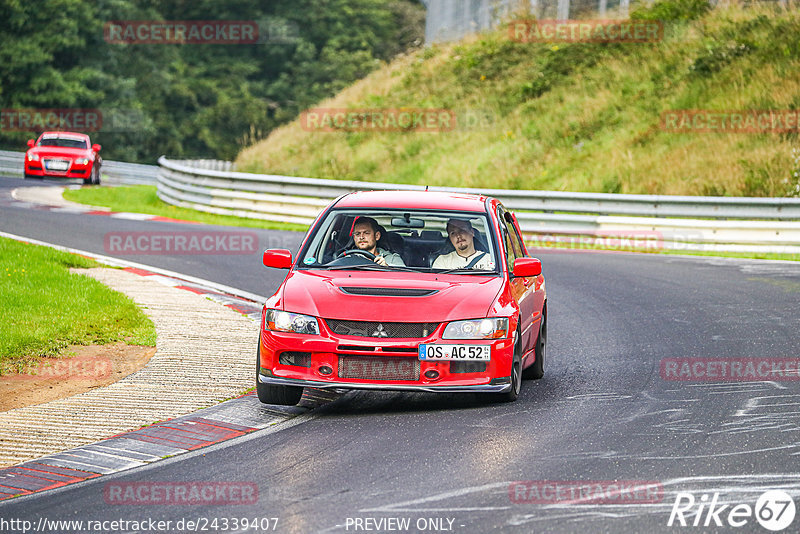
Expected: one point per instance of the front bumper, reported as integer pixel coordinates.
(36, 169)
(499, 385)
(348, 362)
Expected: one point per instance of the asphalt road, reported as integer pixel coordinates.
(449, 463)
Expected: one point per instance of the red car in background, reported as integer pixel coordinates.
(63, 155)
(455, 304)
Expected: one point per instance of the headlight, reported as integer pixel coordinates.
(490, 328)
(84, 161)
(33, 157)
(281, 321)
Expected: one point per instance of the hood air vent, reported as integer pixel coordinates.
(388, 291)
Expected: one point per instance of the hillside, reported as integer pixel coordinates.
(574, 116)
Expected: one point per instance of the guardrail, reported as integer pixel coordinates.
(676, 222)
(118, 172)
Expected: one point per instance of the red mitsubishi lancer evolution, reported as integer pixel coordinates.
(405, 291)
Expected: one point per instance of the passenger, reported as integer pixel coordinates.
(366, 234)
(465, 256)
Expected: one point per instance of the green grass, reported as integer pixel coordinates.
(143, 199)
(45, 307)
(574, 116)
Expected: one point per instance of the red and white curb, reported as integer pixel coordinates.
(228, 420)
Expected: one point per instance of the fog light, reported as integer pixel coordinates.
(431, 374)
(325, 370)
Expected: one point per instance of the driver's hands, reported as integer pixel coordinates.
(380, 261)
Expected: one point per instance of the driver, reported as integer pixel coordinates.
(366, 235)
(465, 256)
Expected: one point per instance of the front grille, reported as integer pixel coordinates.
(299, 359)
(468, 367)
(388, 291)
(378, 329)
(378, 368)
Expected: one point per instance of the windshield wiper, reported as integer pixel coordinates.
(376, 267)
(365, 266)
(462, 270)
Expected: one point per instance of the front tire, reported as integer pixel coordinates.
(536, 371)
(516, 376)
(275, 394)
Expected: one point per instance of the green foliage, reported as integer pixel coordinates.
(672, 10)
(193, 100)
(577, 116)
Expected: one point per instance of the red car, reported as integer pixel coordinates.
(407, 291)
(63, 155)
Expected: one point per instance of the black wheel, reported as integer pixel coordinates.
(516, 376)
(274, 394)
(536, 371)
(88, 181)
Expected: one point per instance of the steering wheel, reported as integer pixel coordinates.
(358, 252)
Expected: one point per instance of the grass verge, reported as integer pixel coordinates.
(45, 307)
(143, 199)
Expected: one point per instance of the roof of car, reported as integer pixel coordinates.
(414, 200)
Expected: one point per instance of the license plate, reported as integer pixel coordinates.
(466, 353)
(57, 165)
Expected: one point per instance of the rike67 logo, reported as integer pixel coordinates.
(774, 510)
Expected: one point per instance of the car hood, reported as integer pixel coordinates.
(320, 293)
(60, 151)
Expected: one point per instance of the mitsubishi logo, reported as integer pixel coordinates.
(380, 332)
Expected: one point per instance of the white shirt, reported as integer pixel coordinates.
(454, 261)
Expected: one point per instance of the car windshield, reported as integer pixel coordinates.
(409, 240)
(66, 142)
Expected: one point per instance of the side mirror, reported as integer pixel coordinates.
(278, 258)
(524, 267)
(31, 142)
(96, 148)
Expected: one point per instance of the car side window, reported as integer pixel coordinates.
(511, 253)
(516, 240)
